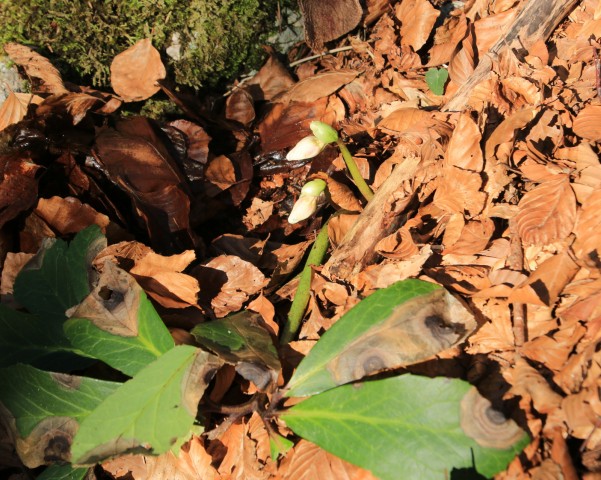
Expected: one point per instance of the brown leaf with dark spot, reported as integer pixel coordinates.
(136, 71)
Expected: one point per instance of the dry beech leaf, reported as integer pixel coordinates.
(76, 104)
(309, 462)
(220, 173)
(506, 129)
(318, 86)
(325, 21)
(474, 238)
(464, 150)
(240, 461)
(587, 246)
(160, 276)
(68, 215)
(547, 282)
(239, 107)
(136, 71)
(463, 61)
(458, 191)
(14, 108)
(547, 213)
(258, 213)
(588, 123)
(272, 79)
(417, 19)
(342, 196)
(242, 279)
(18, 186)
(398, 245)
(198, 140)
(37, 67)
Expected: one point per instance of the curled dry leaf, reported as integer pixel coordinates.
(272, 79)
(136, 71)
(220, 173)
(36, 66)
(239, 107)
(464, 150)
(547, 213)
(75, 104)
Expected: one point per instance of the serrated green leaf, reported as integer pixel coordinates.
(405, 424)
(436, 78)
(406, 323)
(63, 472)
(57, 277)
(31, 395)
(150, 412)
(121, 328)
(25, 337)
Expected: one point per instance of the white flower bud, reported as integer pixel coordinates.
(305, 206)
(308, 147)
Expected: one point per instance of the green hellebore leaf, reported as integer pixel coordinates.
(149, 413)
(324, 132)
(116, 323)
(58, 277)
(436, 79)
(25, 337)
(408, 322)
(47, 408)
(63, 472)
(407, 424)
(241, 341)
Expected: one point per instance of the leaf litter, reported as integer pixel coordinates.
(489, 188)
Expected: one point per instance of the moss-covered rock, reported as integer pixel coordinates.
(204, 41)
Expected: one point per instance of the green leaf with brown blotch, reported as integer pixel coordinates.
(241, 341)
(149, 413)
(420, 427)
(47, 409)
(116, 323)
(406, 323)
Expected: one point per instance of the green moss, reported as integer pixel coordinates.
(217, 38)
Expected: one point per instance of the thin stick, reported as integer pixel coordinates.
(313, 57)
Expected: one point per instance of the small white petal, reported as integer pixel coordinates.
(305, 206)
(308, 147)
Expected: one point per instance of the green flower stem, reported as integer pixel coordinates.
(354, 171)
(303, 292)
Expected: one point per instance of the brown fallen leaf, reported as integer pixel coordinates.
(417, 19)
(547, 213)
(136, 71)
(68, 215)
(587, 123)
(306, 461)
(15, 106)
(18, 186)
(327, 21)
(36, 66)
(234, 281)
